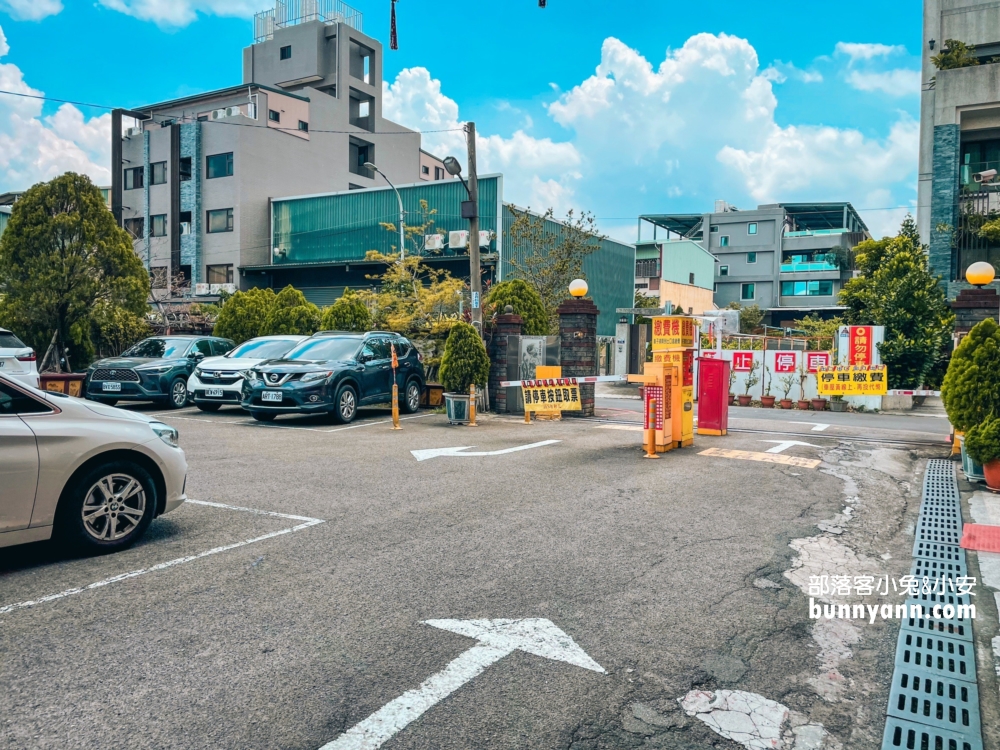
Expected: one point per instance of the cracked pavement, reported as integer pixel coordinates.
(683, 578)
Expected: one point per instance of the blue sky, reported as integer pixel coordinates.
(749, 102)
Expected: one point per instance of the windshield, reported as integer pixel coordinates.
(333, 348)
(159, 348)
(262, 349)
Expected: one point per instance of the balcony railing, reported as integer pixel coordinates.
(817, 265)
(293, 12)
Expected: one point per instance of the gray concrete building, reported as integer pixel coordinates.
(959, 137)
(194, 177)
(791, 259)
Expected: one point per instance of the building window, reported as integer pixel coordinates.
(220, 220)
(303, 126)
(691, 279)
(752, 227)
(285, 53)
(185, 168)
(158, 173)
(806, 288)
(723, 270)
(185, 222)
(747, 291)
(438, 173)
(219, 165)
(136, 227)
(361, 153)
(715, 288)
(424, 169)
(713, 230)
(751, 258)
(133, 178)
(221, 274)
(273, 115)
(158, 277)
(724, 240)
(159, 225)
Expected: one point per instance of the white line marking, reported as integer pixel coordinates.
(816, 426)
(497, 639)
(307, 522)
(436, 452)
(784, 445)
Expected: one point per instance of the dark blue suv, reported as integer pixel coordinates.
(334, 373)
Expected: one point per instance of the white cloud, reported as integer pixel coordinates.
(899, 82)
(35, 148)
(179, 12)
(31, 10)
(858, 51)
(779, 72)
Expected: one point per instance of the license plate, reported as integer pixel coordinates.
(2, 363)
(271, 396)
(111, 387)
(213, 393)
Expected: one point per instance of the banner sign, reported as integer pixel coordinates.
(785, 362)
(673, 332)
(860, 345)
(853, 380)
(551, 396)
(653, 393)
(816, 360)
(742, 361)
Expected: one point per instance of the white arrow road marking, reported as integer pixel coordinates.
(784, 445)
(497, 638)
(816, 426)
(435, 452)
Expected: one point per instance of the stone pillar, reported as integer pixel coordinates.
(973, 306)
(508, 324)
(578, 347)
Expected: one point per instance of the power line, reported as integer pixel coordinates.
(51, 99)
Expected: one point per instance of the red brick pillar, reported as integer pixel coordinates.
(578, 347)
(973, 306)
(508, 324)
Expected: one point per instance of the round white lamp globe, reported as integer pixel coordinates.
(578, 288)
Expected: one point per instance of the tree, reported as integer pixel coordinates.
(61, 256)
(822, 333)
(549, 255)
(116, 329)
(465, 360)
(896, 290)
(244, 314)
(292, 313)
(349, 313)
(640, 300)
(955, 54)
(526, 302)
(971, 389)
(751, 316)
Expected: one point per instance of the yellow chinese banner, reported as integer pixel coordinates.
(552, 398)
(852, 380)
(673, 332)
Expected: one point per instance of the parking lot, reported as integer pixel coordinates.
(288, 601)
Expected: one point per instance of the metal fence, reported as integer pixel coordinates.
(293, 12)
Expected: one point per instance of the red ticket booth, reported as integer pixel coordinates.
(713, 396)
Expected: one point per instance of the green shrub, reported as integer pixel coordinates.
(117, 329)
(291, 313)
(348, 313)
(244, 314)
(982, 442)
(526, 302)
(971, 389)
(465, 360)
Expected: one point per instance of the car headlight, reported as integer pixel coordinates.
(166, 433)
(155, 369)
(199, 372)
(311, 376)
(250, 375)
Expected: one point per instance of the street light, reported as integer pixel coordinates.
(402, 212)
(578, 288)
(980, 274)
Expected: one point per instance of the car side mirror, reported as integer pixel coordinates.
(362, 358)
(198, 356)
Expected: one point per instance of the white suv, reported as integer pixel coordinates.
(17, 361)
(218, 381)
(87, 474)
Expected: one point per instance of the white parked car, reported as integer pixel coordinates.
(17, 361)
(90, 475)
(218, 381)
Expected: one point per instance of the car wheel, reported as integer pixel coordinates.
(410, 403)
(345, 405)
(178, 394)
(263, 416)
(209, 407)
(107, 509)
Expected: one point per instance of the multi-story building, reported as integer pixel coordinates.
(959, 137)
(195, 177)
(680, 272)
(791, 259)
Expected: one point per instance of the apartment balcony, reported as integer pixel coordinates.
(809, 267)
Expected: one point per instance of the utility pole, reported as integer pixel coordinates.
(475, 274)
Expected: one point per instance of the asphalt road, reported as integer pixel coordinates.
(668, 574)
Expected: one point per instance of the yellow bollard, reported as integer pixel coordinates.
(395, 407)
(472, 406)
(651, 431)
(527, 416)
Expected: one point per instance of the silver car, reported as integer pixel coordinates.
(88, 475)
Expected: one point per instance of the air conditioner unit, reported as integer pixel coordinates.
(233, 111)
(433, 242)
(218, 114)
(132, 132)
(230, 288)
(458, 239)
(484, 239)
(201, 290)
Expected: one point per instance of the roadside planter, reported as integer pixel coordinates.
(465, 364)
(457, 407)
(819, 404)
(803, 404)
(786, 403)
(981, 453)
(767, 402)
(745, 399)
(69, 383)
(838, 404)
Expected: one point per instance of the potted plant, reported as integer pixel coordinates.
(786, 387)
(464, 363)
(752, 379)
(837, 403)
(732, 382)
(982, 443)
(803, 402)
(766, 399)
(819, 404)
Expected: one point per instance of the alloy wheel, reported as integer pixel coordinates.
(348, 405)
(413, 396)
(113, 507)
(178, 393)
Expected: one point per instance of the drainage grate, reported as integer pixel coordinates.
(927, 535)
(937, 701)
(941, 516)
(903, 733)
(934, 656)
(944, 560)
(949, 627)
(942, 552)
